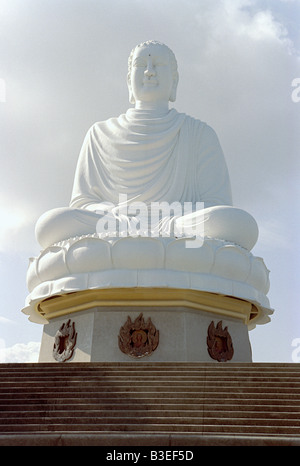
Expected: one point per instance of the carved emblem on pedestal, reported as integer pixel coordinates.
(65, 341)
(219, 343)
(138, 338)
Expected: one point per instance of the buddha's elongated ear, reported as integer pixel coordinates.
(131, 97)
(174, 88)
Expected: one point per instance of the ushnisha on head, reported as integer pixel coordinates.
(152, 73)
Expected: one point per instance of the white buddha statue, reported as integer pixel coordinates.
(151, 154)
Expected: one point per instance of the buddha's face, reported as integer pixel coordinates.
(151, 78)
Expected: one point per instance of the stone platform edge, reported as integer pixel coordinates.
(140, 440)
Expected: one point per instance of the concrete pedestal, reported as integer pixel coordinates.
(180, 326)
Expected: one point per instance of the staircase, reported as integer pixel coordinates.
(139, 403)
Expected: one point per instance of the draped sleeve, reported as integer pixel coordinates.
(88, 185)
(212, 183)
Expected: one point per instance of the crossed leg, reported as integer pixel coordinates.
(220, 222)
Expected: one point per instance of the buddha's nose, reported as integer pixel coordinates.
(150, 71)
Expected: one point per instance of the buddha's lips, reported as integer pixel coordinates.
(151, 82)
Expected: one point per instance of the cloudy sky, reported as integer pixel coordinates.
(63, 66)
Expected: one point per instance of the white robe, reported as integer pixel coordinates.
(169, 158)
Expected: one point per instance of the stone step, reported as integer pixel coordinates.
(152, 391)
(141, 378)
(236, 381)
(143, 421)
(80, 415)
(76, 404)
(195, 389)
(15, 381)
(148, 396)
(156, 367)
(244, 429)
(117, 412)
(191, 368)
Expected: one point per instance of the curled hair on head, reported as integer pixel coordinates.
(154, 42)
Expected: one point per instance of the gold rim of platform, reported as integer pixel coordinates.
(227, 306)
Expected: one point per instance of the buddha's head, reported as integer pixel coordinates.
(152, 73)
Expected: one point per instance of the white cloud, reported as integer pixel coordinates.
(20, 352)
(11, 222)
(16, 224)
(260, 26)
(275, 235)
(4, 320)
